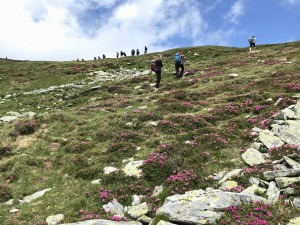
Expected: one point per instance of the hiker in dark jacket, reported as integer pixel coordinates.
(117, 54)
(137, 52)
(132, 52)
(146, 49)
(159, 65)
(179, 61)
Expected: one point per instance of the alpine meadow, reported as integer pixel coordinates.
(94, 142)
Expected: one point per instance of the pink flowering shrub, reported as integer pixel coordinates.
(292, 87)
(212, 141)
(4, 150)
(168, 126)
(25, 128)
(179, 182)
(157, 167)
(277, 153)
(258, 213)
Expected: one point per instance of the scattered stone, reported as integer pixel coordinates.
(145, 219)
(228, 185)
(157, 190)
(114, 207)
(253, 189)
(132, 168)
(9, 202)
(273, 193)
(34, 196)
(229, 175)
(104, 222)
(139, 210)
(295, 221)
(202, 207)
(269, 139)
(162, 222)
(110, 169)
(233, 75)
(253, 157)
(271, 175)
(97, 181)
(55, 219)
(296, 202)
(284, 182)
(292, 163)
(14, 210)
(137, 199)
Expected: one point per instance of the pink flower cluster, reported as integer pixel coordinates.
(186, 176)
(156, 158)
(105, 195)
(187, 104)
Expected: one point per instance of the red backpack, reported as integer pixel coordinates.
(153, 66)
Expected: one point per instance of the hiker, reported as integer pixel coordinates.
(103, 56)
(179, 60)
(95, 58)
(98, 57)
(251, 41)
(132, 52)
(118, 54)
(157, 70)
(137, 52)
(146, 49)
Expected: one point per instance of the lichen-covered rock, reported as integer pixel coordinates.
(230, 174)
(228, 185)
(289, 133)
(253, 189)
(295, 221)
(273, 193)
(55, 219)
(253, 157)
(104, 222)
(132, 169)
(271, 175)
(202, 207)
(284, 182)
(139, 210)
(269, 139)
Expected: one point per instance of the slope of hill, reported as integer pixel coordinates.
(64, 124)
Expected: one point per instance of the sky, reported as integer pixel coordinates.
(65, 30)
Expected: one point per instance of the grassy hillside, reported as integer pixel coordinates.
(202, 122)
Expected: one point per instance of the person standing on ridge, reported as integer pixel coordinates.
(137, 52)
(117, 54)
(146, 49)
(132, 52)
(252, 40)
(179, 60)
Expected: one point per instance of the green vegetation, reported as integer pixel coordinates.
(202, 122)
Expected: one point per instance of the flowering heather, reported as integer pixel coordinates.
(292, 87)
(213, 141)
(259, 121)
(187, 104)
(4, 149)
(258, 108)
(277, 153)
(25, 128)
(257, 213)
(157, 167)
(182, 181)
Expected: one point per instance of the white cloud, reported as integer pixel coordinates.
(70, 29)
(236, 10)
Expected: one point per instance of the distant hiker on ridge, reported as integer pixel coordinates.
(146, 49)
(137, 52)
(132, 52)
(117, 54)
(179, 60)
(252, 40)
(103, 56)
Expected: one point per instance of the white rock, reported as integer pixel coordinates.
(110, 169)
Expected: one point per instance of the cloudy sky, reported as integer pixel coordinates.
(70, 29)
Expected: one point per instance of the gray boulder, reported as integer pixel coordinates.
(202, 207)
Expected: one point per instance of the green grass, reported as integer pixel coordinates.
(201, 123)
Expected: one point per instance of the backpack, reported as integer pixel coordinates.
(252, 39)
(153, 65)
(177, 57)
